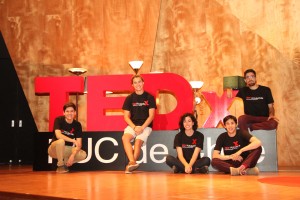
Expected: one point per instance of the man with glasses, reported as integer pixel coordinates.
(259, 112)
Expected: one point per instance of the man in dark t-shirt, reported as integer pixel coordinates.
(259, 112)
(240, 151)
(139, 109)
(67, 140)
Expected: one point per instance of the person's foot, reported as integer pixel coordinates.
(242, 170)
(62, 169)
(234, 171)
(202, 170)
(132, 165)
(252, 171)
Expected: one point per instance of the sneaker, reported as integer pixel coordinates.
(202, 170)
(252, 171)
(131, 167)
(234, 171)
(62, 169)
(175, 169)
(127, 171)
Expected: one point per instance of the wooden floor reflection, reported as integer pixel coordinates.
(20, 182)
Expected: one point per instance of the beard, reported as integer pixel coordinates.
(251, 83)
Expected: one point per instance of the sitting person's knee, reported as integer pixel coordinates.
(242, 118)
(273, 123)
(60, 142)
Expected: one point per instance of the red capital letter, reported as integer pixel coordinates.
(218, 106)
(58, 89)
(98, 103)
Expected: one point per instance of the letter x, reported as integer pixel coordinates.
(218, 106)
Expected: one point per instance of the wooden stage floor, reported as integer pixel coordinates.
(21, 183)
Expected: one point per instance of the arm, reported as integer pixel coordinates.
(127, 119)
(254, 143)
(195, 156)
(75, 150)
(272, 112)
(140, 129)
(59, 135)
(219, 146)
(216, 154)
(188, 168)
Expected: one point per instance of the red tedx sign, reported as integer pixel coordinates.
(98, 103)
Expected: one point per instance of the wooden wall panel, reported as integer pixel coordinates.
(197, 39)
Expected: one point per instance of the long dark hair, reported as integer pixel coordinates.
(181, 127)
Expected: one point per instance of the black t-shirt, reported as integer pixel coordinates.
(138, 106)
(189, 143)
(231, 145)
(73, 130)
(256, 101)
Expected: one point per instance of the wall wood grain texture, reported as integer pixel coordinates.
(197, 39)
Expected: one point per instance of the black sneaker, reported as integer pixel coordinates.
(202, 170)
(175, 169)
(62, 169)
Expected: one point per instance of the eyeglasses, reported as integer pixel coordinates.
(250, 77)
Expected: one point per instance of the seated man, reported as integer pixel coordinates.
(139, 109)
(258, 105)
(67, 140)
(241, 152)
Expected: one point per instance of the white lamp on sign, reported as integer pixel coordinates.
(78, 72)
(196, 85)
(136, 65)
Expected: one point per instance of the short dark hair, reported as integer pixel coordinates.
(136, 76)
(228, 117)
(181, 126)
(248, 71)
(69, 104)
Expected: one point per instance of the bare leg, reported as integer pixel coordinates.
(137, 148)
(126, 138)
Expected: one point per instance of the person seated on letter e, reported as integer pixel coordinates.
(241, 152)
(188, 143)
(139, 109)
(258, 105)
(67, 139)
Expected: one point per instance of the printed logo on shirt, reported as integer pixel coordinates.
(254, 98)
(236, 143)
(145, 103)
(194, 141)
(188, 146)
(68, 133)
(234, 147)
